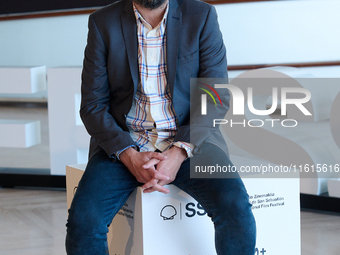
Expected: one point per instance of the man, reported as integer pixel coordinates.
(138, 62)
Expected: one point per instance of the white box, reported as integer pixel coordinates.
(19, 133)
(22, 80)
(148, 223)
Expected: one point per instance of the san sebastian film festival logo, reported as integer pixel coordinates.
(183, 211)
(168, 212)
(239, 102)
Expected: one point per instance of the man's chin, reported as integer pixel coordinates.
(150, 4)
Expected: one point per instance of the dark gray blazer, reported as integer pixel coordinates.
(110, 72)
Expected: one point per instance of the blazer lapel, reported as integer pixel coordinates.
(173, 30)
(130, 37)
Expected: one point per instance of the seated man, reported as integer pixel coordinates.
(138, 62)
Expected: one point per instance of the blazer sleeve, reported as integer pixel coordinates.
(212, 65)
(95, 91)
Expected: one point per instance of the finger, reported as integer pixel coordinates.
(149, 190)
(150, 184)
(157, 175)
(161, 189)
(157, 155)
(158, 188)
(162, 183)
(151, 163)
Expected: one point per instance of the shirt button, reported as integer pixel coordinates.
(151, 57)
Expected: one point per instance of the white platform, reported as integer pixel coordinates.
(22, 80)
(19, 133)
(139, 227)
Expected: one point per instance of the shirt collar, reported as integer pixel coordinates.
(140, 18)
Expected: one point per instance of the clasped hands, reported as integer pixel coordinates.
(154, 169)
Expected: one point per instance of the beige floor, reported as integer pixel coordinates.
(32, 222)
(320, 234)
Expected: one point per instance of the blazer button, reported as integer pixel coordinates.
(124, 116)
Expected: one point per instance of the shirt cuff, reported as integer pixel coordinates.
(119, 152)
(188, 147)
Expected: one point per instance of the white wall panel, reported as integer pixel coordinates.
(281, 31)
(68, 138)
(255, 33)
(55, 41)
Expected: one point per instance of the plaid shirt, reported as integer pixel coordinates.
(152, 120)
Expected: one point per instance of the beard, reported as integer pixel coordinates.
(150, 4)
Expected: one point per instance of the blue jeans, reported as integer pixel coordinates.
(106, 185)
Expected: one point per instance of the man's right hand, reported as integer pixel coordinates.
(135, 160)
